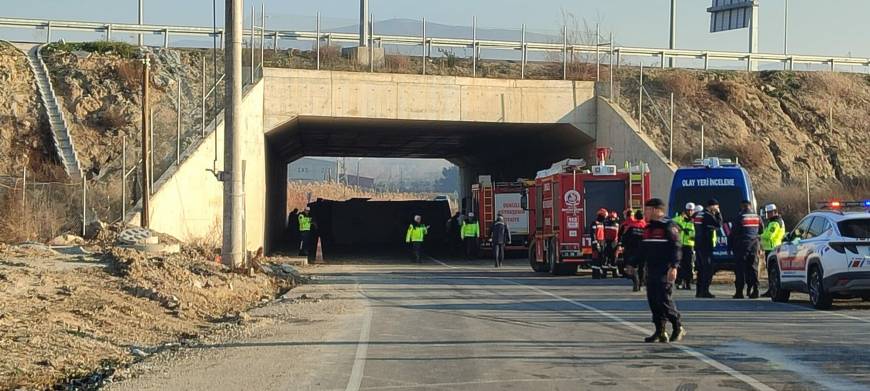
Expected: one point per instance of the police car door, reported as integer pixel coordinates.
(790, 266)
(814, 240)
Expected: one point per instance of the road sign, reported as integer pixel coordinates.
(728, 15)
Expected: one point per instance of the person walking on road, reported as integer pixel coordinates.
(501, 236)
(306, 223)
(632, 237)
(415, 236)
(743, 241)
(293, 229)
(771, 237)
(470, 232)
(685, 222)
(707, 222)
(661, 250)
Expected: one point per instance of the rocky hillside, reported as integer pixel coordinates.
(100, 89)
(25, 137)
(779, 124)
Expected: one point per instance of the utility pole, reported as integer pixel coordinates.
(141, 18)
(753, 36)
(363, 22)
(145, 217)
(233, 248)
(673, 40)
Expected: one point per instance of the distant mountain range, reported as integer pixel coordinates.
(414, 27)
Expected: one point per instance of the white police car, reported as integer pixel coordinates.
(827, 256)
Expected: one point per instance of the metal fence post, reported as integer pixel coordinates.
(317, 45)
(565, 53)
(151, 149)
(84, 204)
(202, 107)
(253, 34)
(48, 32)
(610, 71)
(702, 141)
(706, 61)
(123, 177)
(108, 32)
(165, 38)
(372, 42)
(262, 37)
(597, 52)
(423, 57)
(178, 124)
(671, 126)
(473, 46)
(809, 203)
(640, 101)
(24, 190)
(523, 54)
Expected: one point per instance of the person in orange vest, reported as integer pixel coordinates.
(596, 231)
(631, 238)
(611, 238)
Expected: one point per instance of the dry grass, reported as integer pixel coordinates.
(297, 194)
(683, 84)
(130, 73)
(398, 63)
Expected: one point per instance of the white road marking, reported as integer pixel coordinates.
(749, 380)
(359, 360)
(474, 383)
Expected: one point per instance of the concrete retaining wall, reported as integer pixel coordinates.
(189, 204)
(292, 92)
(617, 130)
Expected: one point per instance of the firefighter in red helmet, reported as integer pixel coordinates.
(596, 230)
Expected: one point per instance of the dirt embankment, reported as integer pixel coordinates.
(781, 125)
(72, 321)
(101, 93)
(25, 136)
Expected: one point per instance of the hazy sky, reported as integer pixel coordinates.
(833, 27)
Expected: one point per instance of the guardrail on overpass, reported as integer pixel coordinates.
(565, 48)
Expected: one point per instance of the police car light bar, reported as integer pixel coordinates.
(844, 204)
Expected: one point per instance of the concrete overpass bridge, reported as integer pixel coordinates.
(506, 128)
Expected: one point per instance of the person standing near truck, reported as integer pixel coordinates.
(744, 243)
(661, 250)
(611, 238)
(631, 238)
(416, 235)
(470, 232)
(305, 225)
(707, 222)
(501, 236)
(596, 230)
(685, 222)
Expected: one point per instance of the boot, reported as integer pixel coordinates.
(678, 334)
(766, 293)
(738, 295)
(659, 336)
(754, 293)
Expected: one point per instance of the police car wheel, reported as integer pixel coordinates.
(777, 294)
(818, 297)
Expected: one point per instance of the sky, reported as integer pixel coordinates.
(833, 27)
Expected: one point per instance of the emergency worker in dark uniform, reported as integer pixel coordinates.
(662, 250)
(744, 244)
(611, 238)
(631, 238)
(596, 230)
(707, 223)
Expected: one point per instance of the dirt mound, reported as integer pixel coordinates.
(62, 327)
(25, 136)
(779, 124)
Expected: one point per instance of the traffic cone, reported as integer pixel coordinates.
(319, 256)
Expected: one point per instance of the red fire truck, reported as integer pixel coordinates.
(563, 203)
(505, 198)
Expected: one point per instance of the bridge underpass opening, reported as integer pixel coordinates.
(506, 151)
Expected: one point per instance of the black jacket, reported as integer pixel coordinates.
(661, 248)
(500, 233)
(705, 224)
(744, 230)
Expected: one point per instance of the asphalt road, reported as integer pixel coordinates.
(461, 326)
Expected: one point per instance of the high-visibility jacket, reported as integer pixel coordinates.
(596, 229)
(686, 224)
(773, 234)
(416, 233)
(469, 229)
(304, 223)
(611, 230)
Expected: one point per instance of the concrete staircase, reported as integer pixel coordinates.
(59, 130)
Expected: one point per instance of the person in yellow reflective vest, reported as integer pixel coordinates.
(470, 232)
(774, 232)
(416, 235)
(685, 223)
(305, 225)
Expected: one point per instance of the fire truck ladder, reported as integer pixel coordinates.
(636, 185)
(487, 209)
